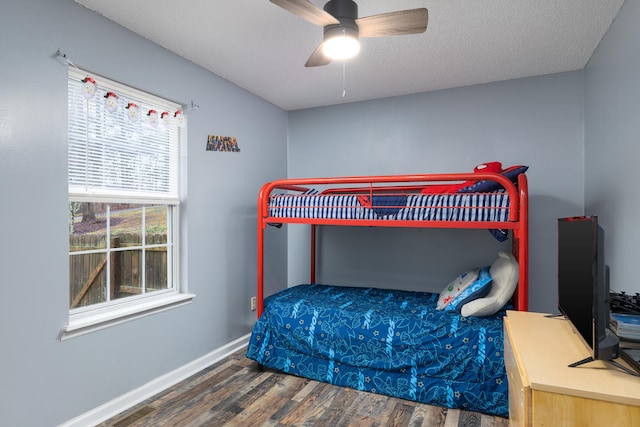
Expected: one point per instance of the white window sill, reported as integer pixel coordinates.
(91, 322)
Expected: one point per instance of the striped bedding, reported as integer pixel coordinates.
(418, 207)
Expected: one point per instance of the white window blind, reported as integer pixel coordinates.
(110, 156)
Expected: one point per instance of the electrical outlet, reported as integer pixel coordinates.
(254, 303)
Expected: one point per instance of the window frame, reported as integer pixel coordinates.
(98, 316)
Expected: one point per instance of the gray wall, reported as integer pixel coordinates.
(45, 381)
(535, 121)
(612, 144)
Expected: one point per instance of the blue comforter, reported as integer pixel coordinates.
(385, 341)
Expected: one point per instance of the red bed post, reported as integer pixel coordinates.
(521, 248)
(264, 192)
(260, 266)
(313, 254)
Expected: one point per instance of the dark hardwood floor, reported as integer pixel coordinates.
(235, 392)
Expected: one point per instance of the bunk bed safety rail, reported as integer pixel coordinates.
(371, 185)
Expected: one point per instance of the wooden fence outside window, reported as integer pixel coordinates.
(88, 272)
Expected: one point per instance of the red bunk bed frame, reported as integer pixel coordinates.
(399, 184)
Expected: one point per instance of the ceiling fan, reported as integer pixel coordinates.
(343, 28)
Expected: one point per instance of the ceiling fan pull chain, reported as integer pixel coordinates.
(344, 85)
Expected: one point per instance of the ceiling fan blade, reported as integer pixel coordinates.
(307, 11)
(318, 58)
(412, 21)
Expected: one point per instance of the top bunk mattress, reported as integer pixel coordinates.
(466, 200)
(485, 207)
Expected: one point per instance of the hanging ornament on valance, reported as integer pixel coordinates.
(179, 117)
(89, 87)
(153, 118)
(111, 102)
(165, 118)
(132, 112)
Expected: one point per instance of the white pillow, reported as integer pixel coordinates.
(478, 289)
(504, 272)
(456, 286)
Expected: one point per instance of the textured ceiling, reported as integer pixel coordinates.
(262, 48)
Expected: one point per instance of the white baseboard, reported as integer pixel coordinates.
(126, 401)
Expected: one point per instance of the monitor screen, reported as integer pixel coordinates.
(583, 284)
(577, 269)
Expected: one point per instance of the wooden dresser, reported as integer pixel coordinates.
(544, 391)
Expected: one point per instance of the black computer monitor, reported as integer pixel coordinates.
(583, 285)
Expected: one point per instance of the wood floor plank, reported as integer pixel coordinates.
(453, 416)
(471, 419)
(221, 392)
(489, 421)
(351, 411)
(383, 409)
(279, 417)
(427, 416)
(223, 410)
(302, 394)
(236, 392)
(192, 399)
(341, 402)
(308, 412)
(373, 406)
(262, 409)
(401, 414)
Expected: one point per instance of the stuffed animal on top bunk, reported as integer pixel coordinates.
(481, 292)
(511, 172)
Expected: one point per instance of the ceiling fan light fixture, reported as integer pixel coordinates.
(341, 43)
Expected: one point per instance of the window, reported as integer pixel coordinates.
(123, 174)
